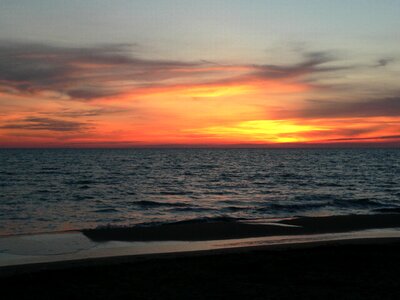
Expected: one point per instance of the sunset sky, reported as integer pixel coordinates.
(214, 72)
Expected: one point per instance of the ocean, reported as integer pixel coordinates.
(53, 190)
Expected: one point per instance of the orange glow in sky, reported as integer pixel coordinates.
(97, 101)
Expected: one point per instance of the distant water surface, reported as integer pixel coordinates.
(62, 189)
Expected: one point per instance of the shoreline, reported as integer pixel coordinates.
(344, 269)
(383, 218)
(6, 271)
(33, 267)
(335, 257)
(231, 229)
(189, 236)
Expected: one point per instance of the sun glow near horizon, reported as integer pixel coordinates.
(214, 82)
(273, 131)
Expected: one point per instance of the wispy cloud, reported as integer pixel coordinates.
(48, 124)
(95, 112)
(312, 62)
(80, 73)
(385, 137)
(104, 71)
(111, 93)
(333, 109)
(382, 62)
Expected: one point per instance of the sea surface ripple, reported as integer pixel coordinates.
(45, 190)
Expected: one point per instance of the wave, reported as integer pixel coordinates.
(292, 207)
(106, 210)
(148, 203)
(315, 197)
(388, 210)
(330, 203)
(359, 203)
(77, 182)
(175, 193)
(217, 219)
(192, 209)
(225, 227)
(237, 208)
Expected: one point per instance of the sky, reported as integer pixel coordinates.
(133, 73)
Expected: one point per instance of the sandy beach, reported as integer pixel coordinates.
(333, 257)
(191, 236)
(352, 269)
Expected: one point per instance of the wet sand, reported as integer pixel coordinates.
(354, 269)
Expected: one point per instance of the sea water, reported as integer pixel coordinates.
(50, 190)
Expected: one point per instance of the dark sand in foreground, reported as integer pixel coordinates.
(365, 269)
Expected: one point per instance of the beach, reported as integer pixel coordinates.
(220, 224)
(352, 269)
(191, 236)
(332, 257)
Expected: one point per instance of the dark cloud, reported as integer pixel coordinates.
(50, 124)
(357, 131)
(312, 63)
(88, 94)
(89, 112)
(83, 73)
(371, 108)
(385, 137)
(102, 71)
(342, 129)
(384, 61)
